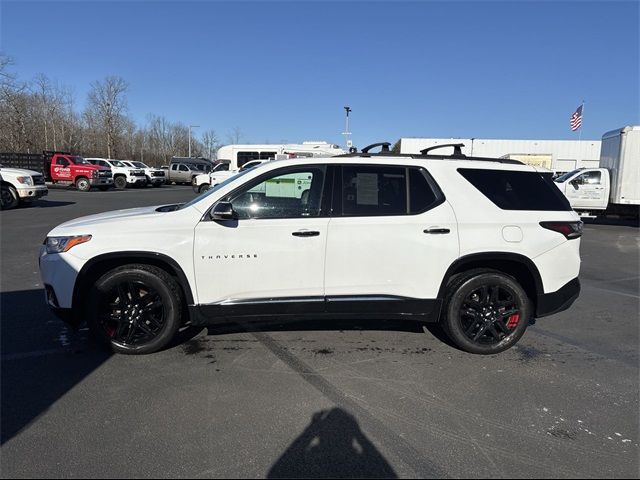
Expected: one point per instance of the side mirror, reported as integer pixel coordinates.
(575, 183)
(223, 211)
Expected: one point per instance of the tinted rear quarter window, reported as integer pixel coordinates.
(516, 190)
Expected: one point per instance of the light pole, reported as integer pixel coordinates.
(190, 127)
(346, 132)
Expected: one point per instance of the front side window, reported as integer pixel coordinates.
(292, 193)
(183, 168)
(590, 178)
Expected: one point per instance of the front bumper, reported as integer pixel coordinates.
(137, 180)
(31, 193)
(558, 301)
(100, 181)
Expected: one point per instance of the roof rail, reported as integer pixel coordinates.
(457, 149)
(457, 153)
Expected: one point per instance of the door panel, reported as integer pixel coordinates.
(588, 191)
(391, 255)
(259, 259)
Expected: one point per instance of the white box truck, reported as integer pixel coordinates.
(614, 188)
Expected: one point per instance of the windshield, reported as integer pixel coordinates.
(564, 177)
(139, 164)
(80, 161)
(214, 189)
(117, 163)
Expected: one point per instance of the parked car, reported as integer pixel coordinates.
(220, 173)
(183, 170)
(61, 168)
(481, 246)
(123, 175)
(20, 186)
(155, 176)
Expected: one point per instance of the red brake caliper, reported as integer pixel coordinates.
(513, 320)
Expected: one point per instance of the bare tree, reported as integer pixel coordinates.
(107, 102)
(210, 143)
(235, 135)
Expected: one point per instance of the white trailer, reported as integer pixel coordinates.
(614, 188)
(238, 155)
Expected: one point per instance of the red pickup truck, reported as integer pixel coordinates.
(62, 168)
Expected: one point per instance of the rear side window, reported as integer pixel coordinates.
(513, 190)
(372, 190)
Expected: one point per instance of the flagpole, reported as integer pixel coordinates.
(582, 122)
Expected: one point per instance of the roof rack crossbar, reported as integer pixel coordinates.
(457, 149)
(385, 147)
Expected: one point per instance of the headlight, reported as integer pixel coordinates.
(64, 244)
(25, 180)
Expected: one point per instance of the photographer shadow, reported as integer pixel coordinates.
(332, 446)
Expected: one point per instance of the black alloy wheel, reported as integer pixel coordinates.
(136, 308)
(486, 312)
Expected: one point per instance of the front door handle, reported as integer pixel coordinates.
(306, 233)
(437, 230)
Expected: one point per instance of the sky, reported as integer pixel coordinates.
(283, 71)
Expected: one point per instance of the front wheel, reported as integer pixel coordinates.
(83, 185)
(135, 309)
(203, 188)
(120, 182)
(486, 312)
(9, 197)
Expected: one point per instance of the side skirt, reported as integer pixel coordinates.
(341, 307)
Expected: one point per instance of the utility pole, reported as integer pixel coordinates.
(347, 133)
(190, 127)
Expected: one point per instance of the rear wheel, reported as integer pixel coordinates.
(135, 309)
(486, 311)
(83, 185)
(9, 197)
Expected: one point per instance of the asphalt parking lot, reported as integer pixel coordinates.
(345, 399)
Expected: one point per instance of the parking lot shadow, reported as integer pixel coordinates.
(51, 203)
(37, 368)
(332, 446)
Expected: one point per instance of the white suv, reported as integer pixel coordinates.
(482, 246)
(155, 176)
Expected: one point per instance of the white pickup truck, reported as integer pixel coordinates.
(155, 176)
(123, 175)
(20, 186)
(219, 174)
(614, 188)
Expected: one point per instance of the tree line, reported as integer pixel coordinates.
(41, 114)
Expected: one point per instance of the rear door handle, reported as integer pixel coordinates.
(437, 230)
(306, 233)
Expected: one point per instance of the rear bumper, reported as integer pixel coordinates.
(558, 301)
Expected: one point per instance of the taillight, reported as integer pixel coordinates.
(570, 230)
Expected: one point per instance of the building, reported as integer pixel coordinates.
(557, 155)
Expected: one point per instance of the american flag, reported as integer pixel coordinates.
(576, 119)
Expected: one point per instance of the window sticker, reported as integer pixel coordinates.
(367, 188)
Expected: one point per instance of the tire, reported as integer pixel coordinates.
(82, 184)
(120, 182)
(203, 188)
(485, 311)
(9, 197)
(118, 315)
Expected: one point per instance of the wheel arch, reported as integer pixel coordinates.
(101, 264)
(516, 265)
